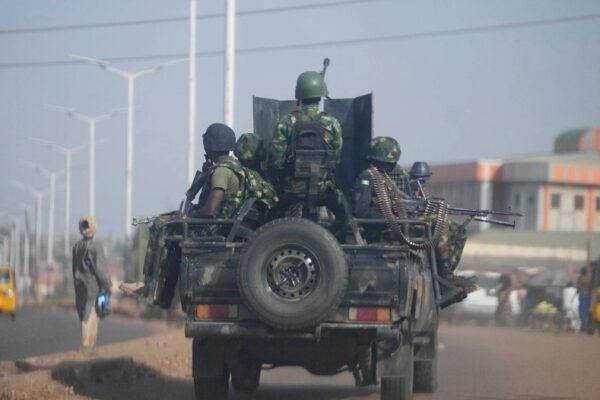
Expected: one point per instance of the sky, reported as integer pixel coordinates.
(445, 97)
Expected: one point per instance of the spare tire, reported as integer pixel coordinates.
(292, 273)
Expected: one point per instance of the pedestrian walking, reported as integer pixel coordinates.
(583, 288)
(503, 315)
(90, 279)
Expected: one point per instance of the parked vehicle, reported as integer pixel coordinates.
(8, 292)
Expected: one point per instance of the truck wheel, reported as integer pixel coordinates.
(425, 371)
(212, 387)
(246, 378)
(292, 273)
(400, 386)
(425, 376)
(397, 388)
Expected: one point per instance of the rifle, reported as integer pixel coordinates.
(419, 206)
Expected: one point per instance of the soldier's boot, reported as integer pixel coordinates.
(455, 288)
(136, 289)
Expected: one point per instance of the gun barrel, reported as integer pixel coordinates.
(495, 222)
(481, 213)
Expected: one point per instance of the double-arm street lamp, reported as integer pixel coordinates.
(130, 76)
(91, 121)
(67, 152)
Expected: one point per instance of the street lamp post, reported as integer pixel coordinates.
(51, 175)
(228, 99)
(5, 244)
(191, 156)
(67, 152)
(130, 76)
(91, 121)
(39, 195)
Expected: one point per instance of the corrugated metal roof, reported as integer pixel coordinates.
(572, 134)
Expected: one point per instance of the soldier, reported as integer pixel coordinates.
(249, 151)
(419, 175)
(298, 137)
(383, 154)
(224, 185)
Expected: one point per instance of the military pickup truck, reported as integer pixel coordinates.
(289, 293)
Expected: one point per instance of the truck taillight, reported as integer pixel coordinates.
(216, 311)
(369, 314)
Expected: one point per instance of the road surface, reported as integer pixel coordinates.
(37, 331)
(475, 363)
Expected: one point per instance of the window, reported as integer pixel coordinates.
(597, 203)
(531, 200)
(517, 201)
(579, 202)
(555, 200)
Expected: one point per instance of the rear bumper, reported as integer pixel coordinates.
(257, 330)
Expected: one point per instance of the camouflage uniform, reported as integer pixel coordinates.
(279, 155)
(386, 150)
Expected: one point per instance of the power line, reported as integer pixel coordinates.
(344, 42)
(120, 24)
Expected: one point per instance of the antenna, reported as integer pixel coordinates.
(325, 65)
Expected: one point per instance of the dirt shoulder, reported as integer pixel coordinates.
(154, 367)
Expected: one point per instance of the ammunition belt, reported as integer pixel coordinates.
(393, 211)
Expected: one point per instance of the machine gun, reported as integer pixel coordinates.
(425, 206)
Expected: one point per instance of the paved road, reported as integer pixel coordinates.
(482, 363)
(38, 331)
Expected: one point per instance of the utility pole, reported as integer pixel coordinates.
(26, 248)
(91, 121)
(228, 100)
(191, 156)
(130, 76)
(51, 175)
(67, 152)
(17, 246)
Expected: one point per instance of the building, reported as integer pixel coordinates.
(557, 192)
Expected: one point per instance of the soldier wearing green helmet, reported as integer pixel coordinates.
(296, 135)
(249, 151)
(383, 155)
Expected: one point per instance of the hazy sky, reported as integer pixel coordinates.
(445, 98)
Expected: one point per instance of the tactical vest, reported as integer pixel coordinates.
(252, 185)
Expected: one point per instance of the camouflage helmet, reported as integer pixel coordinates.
(384, 149)
(420, 170)
(249, 147)
(310, 84)
(218, 137)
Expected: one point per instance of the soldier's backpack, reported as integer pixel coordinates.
(312, 160)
